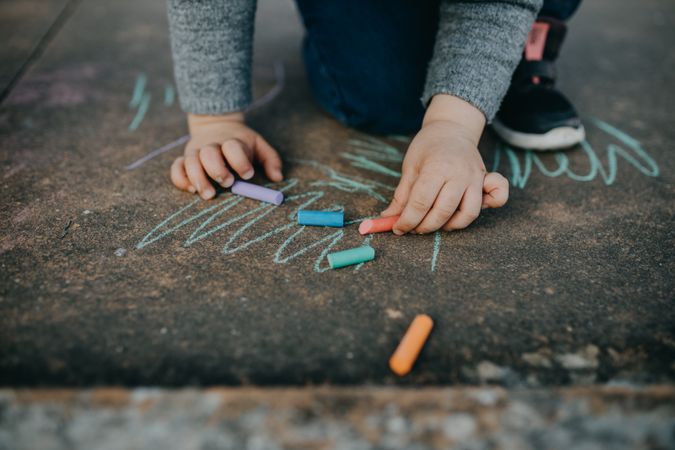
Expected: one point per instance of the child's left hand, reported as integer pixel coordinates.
(444, 183)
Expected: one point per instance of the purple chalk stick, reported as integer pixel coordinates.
(256, 192)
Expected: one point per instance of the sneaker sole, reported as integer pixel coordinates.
(556, 139)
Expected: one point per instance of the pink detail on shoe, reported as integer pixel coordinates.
(536, 41)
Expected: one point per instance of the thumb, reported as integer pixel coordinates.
(401, 195)
(495, 190)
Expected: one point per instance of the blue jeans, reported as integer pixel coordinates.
(366, 60)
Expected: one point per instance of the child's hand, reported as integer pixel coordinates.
(443, 181)
(219, 145)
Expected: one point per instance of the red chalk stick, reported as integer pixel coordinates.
(378, 225)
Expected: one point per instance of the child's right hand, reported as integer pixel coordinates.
(219, 145)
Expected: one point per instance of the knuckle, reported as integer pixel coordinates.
(461, 223)
(217, 173)
(471, 215)
(242, 165)
(419, 204)
(445, 211)
(231, 146)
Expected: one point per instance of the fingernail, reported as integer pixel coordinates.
(248, 174)
(209, 193)
(398, 232)
(228, 181)
(191, 189)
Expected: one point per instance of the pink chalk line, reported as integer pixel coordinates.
(280, 76)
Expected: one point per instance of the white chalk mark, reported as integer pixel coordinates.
(280, 76)
(158, 151)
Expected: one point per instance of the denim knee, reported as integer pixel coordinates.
(375, 102)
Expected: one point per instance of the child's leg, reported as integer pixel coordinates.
(366, 60)
(534, 114)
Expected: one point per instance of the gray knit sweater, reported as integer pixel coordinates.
(478, 46)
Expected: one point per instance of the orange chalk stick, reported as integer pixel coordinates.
(378, 225)
(406, 353)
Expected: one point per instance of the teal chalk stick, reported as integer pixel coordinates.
(352, 256)
(321, 218)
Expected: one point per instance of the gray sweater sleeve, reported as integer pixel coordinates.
(478, 46)
(212, 46)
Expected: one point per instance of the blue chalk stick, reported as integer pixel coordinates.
(352, 256)
(322, 218)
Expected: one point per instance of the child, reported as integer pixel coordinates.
(369, 63)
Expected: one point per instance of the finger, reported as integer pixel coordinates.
(422, 197)
(401, 195)
(269, 158)
(444, 207)
(495, 190)
(178, 176)
(238, 156)
(213, 163)
(468, 211)
(195, 172)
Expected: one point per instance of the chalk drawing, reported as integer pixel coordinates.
(280, 81)
(158, 151)
(631, 152)
(235, 243)
(140, 112)
(437, 249)
(256, 224)
(140, 100)
(169, 95)
(139, 90)
(365, 152)
(347, 183)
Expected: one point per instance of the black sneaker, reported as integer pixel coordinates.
(534, 114)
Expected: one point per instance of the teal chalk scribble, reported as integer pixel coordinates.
(169, 95)
(631, 152)
(140, 112)
(141, 98)
(139, 90)
(437, 250)
(373, 157)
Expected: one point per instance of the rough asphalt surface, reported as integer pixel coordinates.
(111, 276)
